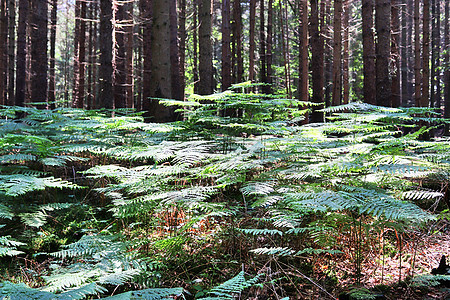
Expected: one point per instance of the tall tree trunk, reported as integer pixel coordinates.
(395, 58)
(317, 44)
(81, 58)
(425, 99)
(76, 55)
(21, 53)
(303, 52)
(206, 82)
(146, 12)
(447, 63)
(383, 51)
(39, 57)
(410, 51)
(435, 55)
(417, 62)
(328, 52)
(91, 46)
(268, 89)
(129, 54)
(3, 52)
(346, 54)
(105, 72)
(262, 42)
(52, 70)
(120, 75)
(226, 49)
(251, 59)
(285, 41)
(404, 55)
(161, 75)
(182, 33)
(11, 50)
(337, 53)
(368, 52)
(237, 60)
(177, 92)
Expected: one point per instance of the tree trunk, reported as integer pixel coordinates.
(285, 41)
(446, 63)
(417, 62)
(182, 33)
(106, 97)
(317, 45)
(120, 75)
(425, 99)
(177, 93)
(395, 58)
(237, 60)
(383, 52)
(81, 58)
(251, 59)
(368, 52)
(303, 52)
(410, 52)
(226, 49)
(3, 52)
(337, 53)
(146, 8)
(11, 51)
(129, 54)
(76, 55)
(206, 82)
(404, 55)
(39, 58)
(161, 75)
(195, 46)
(268, 89)
(262, 43)
(328, 52)
(436, 52)
(346, 54)
(52, 70)
(21, 53)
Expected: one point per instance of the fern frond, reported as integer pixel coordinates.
(231, 287)
(258, 188)
(421, 195)
(278, 251)
(149, 294)
(257, 232)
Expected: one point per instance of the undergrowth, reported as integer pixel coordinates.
(93, 205)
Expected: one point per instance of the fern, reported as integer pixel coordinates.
(231, 287)
(149, 294)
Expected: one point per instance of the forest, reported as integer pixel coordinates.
(224, 149)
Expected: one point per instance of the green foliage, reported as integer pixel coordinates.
(232, 287)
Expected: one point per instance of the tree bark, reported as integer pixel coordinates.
(3, 52)
(346, 54)
(436, 52)
(395, 56)
(195, 46)
(368, 52)
(106, 96)
(52, 70)
(404, 44)
(11, 51)
(337, 53)
(226, 49)
(146, 8)
(425, 99)
(119, 65)
(262, 43)
(383, 52)
(81, 58)
(39, 57)
(76, 55)
(182, 33)
(21, 53)
(417, 62)
(251, 59)
(268, 89)
(129, 54)
(447, 62)
(237, 60)
(303, 52)
(206, 82)
(317, 44)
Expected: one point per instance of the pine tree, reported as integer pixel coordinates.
(226, 48)
(368, 52)
(206, 82)
(106, 97)
(383, 52)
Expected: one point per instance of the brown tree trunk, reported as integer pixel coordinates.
(76, 55)
(269, 42)
(395, 55)
(226, 48)
(105, 72)
(129, 54)
(251, 59)
(317, 44)
(346, 54)
(446, 63)
(404, 55)
(337, 54)
(383, 52)
(328, 52)
(303, 51)
(237, 60)
(195, 46)
(3, 52)
(21, 53)
(145, 7)
(410, 52)
(417, 62)
(206, 82)
(11, 51)
(435, 55)
(285, 43)
(177, 92)
(368, 52)
(182, 33)
(262, 43)
(120, 75)
(81, 58)
(425, 99)
(39, 58)
(161, 75)
(52, 81)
